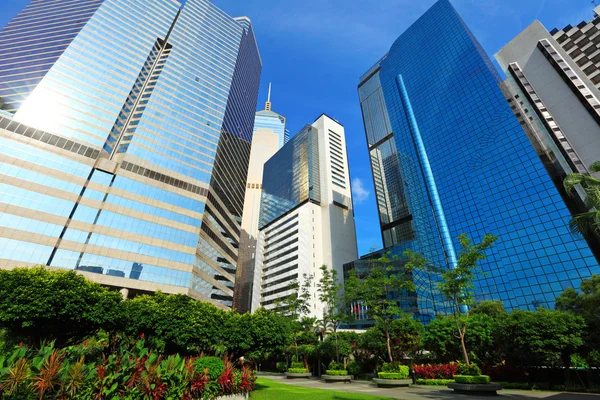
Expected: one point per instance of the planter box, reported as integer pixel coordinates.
(489, 389)
(336, 378)
(298, 375)
(392, 383)
(234, 397)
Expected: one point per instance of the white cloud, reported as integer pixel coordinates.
(359, 193)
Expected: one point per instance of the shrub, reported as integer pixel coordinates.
(214, 365)
(514, 385)
(434, 382)
(336, 372)
(49, 373)
(297, 370)
(470, 370)
(391, 367)
(353, 368)
(297, 365)
(393, 375)
(334, 366)
(436, 371)
(481, 379)
(281, 366)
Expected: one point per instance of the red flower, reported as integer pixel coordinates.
(142, 335)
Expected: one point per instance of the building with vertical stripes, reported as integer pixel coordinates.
(306, 214)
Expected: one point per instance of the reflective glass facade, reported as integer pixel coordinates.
(267, 119)
(132, 151)
(291, 177)
(32, 42)
(449, 157)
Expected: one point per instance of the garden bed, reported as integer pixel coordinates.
(298, 375)
(392, 383)
(332, 376)
(479, 389)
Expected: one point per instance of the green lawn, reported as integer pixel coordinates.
(267, 389)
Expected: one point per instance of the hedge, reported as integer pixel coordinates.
(336, 372)
(514, 385)
(297, 370)
(392, 375)
(481, 379)
(434, 382)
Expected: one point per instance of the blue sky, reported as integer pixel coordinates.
(314, 51)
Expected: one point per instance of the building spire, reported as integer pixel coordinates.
(268, 103)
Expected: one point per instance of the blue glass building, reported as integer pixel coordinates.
(268, 119)
(291, 177)
(449, 157)
(124, 150)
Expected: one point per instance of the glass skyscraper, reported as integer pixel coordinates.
(449, 157)
(269, 119)
(125, 142)
(291, 177)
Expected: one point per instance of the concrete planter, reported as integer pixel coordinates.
(392, 383)
(234, 397)
(298, 375)
(336, 378)
(489, 389)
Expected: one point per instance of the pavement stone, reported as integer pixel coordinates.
(427, 392)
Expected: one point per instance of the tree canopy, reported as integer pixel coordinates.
(36, 303)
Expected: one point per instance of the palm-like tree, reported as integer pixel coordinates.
(323, 328)
(586, 223)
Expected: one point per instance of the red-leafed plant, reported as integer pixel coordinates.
(226, 380)
(247, 379)
(435, 371)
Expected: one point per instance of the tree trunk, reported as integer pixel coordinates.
(464, 348)
(388, 342)
(337, 348)
(296, 347)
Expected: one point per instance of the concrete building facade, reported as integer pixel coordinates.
(268, 137)
(307, 217)
(552, 88)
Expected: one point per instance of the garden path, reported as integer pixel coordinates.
(427, 392)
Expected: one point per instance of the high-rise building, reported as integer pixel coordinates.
(268, 137)
(306, 214)
(125, 141)
(552, 87)
(449, 157)
(269, 119)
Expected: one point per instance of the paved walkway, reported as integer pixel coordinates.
(426, 392)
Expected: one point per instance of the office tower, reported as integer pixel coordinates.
(268, 137)
(552, 87)
(306, 213)
(269, 119)
(449, 157)
(125, 146)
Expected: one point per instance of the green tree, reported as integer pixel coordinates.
(405, 338)
(458, 283)
(372, 291)
(440, 338)
(38, 303)
(177, 323)
(587, 223)
(334, 310)
(543, 337)
(295, 306)
(586, 304)
(269, 334)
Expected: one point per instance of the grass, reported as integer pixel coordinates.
(267, 389)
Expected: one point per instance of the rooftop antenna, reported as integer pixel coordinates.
(268, 103)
